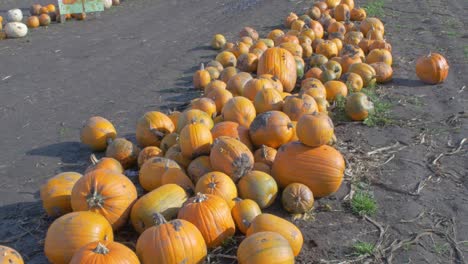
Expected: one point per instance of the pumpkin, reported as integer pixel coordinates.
(265, 247)
(351, 27)
(239, 49)
(268, 222)
(228, 47)
(204, 104)
(280, 63)
(265, 154)
(211, 215)
(298, 25)
(33, 22)
(14, 15)
(68, 233)
(247, 62)
(375, 34)
(320, 168)
(272, 128)
(166, 200)
(214, 73)
(349, 3)
(315, 129)
(275, 81)
(201, 78)
(297, 198)
(9, 255)
(195, 140)
(240, 110)
(315, 73)
(432, 68)
(232, 157)
(307, 51)
(260, 166)
(176, 241)
(34, 10)
(155, 170)
(366, 72)
(168, 141)
(148, 153)
(337, 38)
(104, 163)
(51, 8)
(383, 71)
(258, 186)
(317, 60)
(300, 65)
(342, 12)
(290, 19)
(371, 23)
(268, 99)
(365, 44)
(314, 13)
(107, 193)
(334, 67)
(56, 193)
(259, 45)
(194, 116)
(243, 212)
(358, 14)
(317, 28)
(332, 3)
(294, 136)
(227, 59)
(43, 10)
(275, 33)
(358, 107)
(327, 49)
(290, 37)
(199, 167)
(175, 153)
(123, 151)
(322, 105)
(313, 87)
(353, 38)
(380, 44)
(336, 27)
(353, 51)
(353, 82)
(253, 86)
(220, 97)
(152, 127)
(104, 252)
(216, 85)
(233, 130)
(218, 183)
(174, 116)
(258, 53)
(335, 89)
(218, 41)
(379, 55)
(44, 20)
(322, 5)
(298, 105)
(347, 61)
(180, 178)
(249, 32)
(237, 82)
(97, 132)
(216, 64)
(247, 40)
(294, 48)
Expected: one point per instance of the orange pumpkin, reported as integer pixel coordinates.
(317, 28)
(297, 25)
(104, 163)
(364, 44)
(379, 55)
(342, 12)
(174, 116)
(233, 130)
(201, 78)
(375, 34)
(152, 127)
(258, 186)
(247, 62)
(327, 49)
(34, 10)
(249, 32)
(33, 22)
(214, 73)
(199, 167)
(260, 166)
(195, 140)
(371, 23)
(294, 48)
(123, 151)
(380, 44)
(317, 60)
(227, 59)
(107, 193)
(315, 73)
(297, 198)
(353, 82)
(156, 169)
(97, 133)
(298, 105)
(56, 193)
(265, 246)
(194, 116)
(168, 141)
(272, 223)
(268, 99)
(204, 104)
(334, 89)
(358, 14)
(432, 68)
(336, 27)
(294, 136)
(265, 155)
(226, 74)
(308, 33)
(253, 86)
(315, 92)
(347, 61)
(216, 64)
(218, 41)
(290, 19)
(366, 72)
(176, 241)
(70, 232)
(358, 107)
(239, 49)
(320, 168)
(315, 129)
(101, 252)
(275, 33)
(211, 215)
(237, 82)
(232, 157)
(9, 255)
(240, 110)
(243, 213)
(220, 97)
(273, 129)
(148, 153)
(175, 153)
(322, 107)
(218, 183)
(353, 37)
(214, 85)
(314, 12)
(383, 71)
(44, 20)
(274, 80)
(280, 63)
(166, 200)
(307, 50)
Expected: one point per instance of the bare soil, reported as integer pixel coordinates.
(140, 56)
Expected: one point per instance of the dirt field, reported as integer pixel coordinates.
(141, 56)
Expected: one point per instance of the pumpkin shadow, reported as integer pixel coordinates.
(205, 47)
(270, 28)
(406, 82)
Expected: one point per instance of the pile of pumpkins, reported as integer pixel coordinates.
(260, 129)
(39, 16)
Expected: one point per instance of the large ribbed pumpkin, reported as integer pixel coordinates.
(152, 127)
(315, 129)
(234, 130)
(321, 168)
(195, 140)
(218, 183)
(232, 157)
(272, 128)
(72, 231)
(280, 63)
(265, 247)
(240, 110)
(105, 252)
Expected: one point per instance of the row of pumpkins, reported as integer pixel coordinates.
(39, 16)
(211, 169)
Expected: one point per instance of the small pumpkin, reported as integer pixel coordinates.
(383, 71)
(97, 133)
(152, 127)
(314, 12)
(227, 59)
(375, 34)
(268, 99)
(195, 140)
(201, 78)
(353, 81)
(243, 213)
(34, 10)
(290, 19)
(322, 106)
(211, 215)
(155, 170)
(239, 49)
(317, 60)
(268, 222)
(204, 104)
(220, 97)
(258, 186)
(214, 73)
(44, 20)
(233, 130)
(317, 28)
(33, 22)
(216, 64)
(68, 233)
(227, 73)
(265, 154)
(314, 72)
(432, 68)
(236, 83)
(336, 27)
(297, 105)
(148, 153)
(272, 128)
(327, 49)
(166, 200)
(168, 141)
(215, 85)
(298, 25)
(280, 63)
(371, 23)
(275, 81)
(353, 38)
(199, 167)
(194, 116)
(335, 89)
(265, 246)
(104, 252)
(104, 163)
(9, 255)
(240, 110)
(175, 153)
(232, 157)
(358, 107)
(380, 44)
(123, 151)
(366, 72)
(174, 116)
(297, 198)
(247, 40)
(315, 129)
(218, 183)
(253, 86)
(307, 52)
(14, 15)
(342, 12)
(249, 32)
(379, 55)
(218, 41)
(247, 62)
(56, 193)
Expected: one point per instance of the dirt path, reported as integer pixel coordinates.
(141, 57)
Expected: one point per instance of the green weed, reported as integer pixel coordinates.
(363, 248)
(380, 116)
(363, 203)
(375, 8)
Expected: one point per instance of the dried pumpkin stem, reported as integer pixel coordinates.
(159, 219)
(101, 249)
(94, 159)
(157, 133)
(95, 200)
(200, 198)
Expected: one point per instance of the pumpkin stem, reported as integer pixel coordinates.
(94, 159)
(94, 199)
(290, 125)
(212, 183)
(157, 133)
(200, 197)
(263, 152)
(202, 66)
(101, 249)
(159, 219)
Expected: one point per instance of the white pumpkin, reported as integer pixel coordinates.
(107, 4)
(14, 15)
(16, 30)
